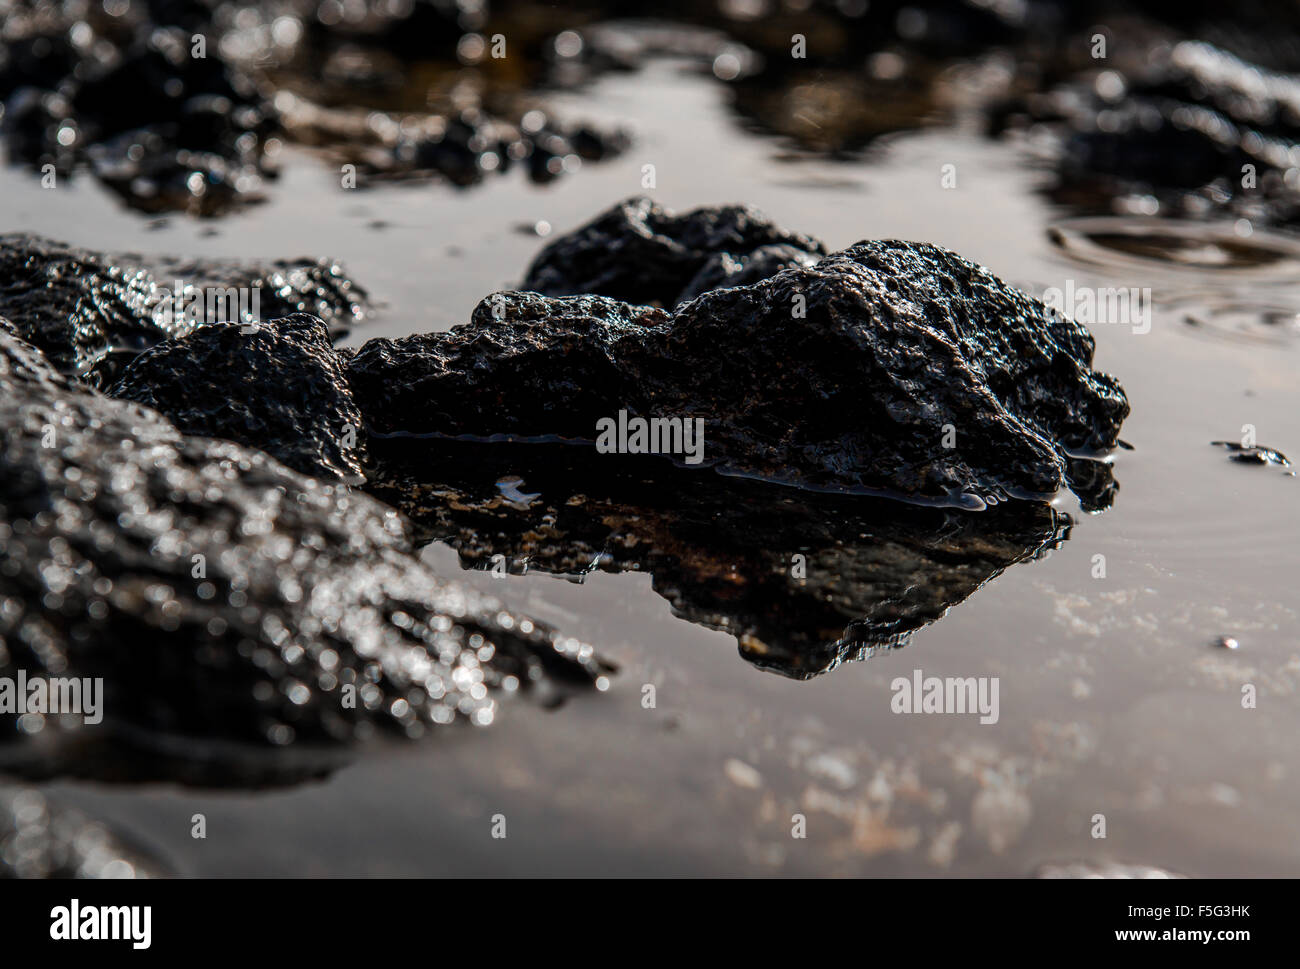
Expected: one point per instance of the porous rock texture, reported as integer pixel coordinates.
(640, 252)
(91, 312)
(277, 386)
(889, 367)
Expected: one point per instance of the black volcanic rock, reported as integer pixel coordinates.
(901, 342)
(465, 147)
(321, 287)
(203, 122)
(803, 582)
(639, 252)
(1203, 131)
(73, 305)
(541, 370)
(91, 312)
(130, 100)
(275, 386)
(726, 271)
(129, 96)
(889, 367)
(223, 597)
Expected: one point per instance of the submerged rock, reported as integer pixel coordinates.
(804, 583)
(639, 252)
(223, 597)
(889, 367)
(92, 312)
(276, 386)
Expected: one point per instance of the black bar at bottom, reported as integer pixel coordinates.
(385, 919)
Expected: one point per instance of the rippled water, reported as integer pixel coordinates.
(1224, 280)
(1114, 699)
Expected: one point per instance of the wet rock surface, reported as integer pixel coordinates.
(187, 106)
(545, 368)
(889, 367)
(73, 305)
(91, 312)
(640, 252)
(276, 386)
(158, 122)
(1187, 130)
(283, 287)
(727, 271)
(223, 598)
(804, 584)
(464, 146)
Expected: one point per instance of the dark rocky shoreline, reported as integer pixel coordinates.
(190, 536)
(218, 512)
(1188, 107)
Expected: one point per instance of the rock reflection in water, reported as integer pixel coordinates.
(804, 581)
